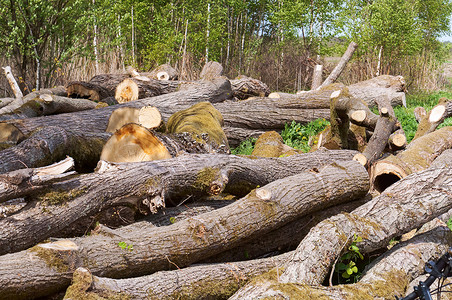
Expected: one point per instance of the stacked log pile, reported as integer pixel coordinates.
(141, 162)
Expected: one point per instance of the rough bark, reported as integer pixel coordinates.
(98, 88)
(406, 205)
(384, 86)
(416, 157)
(341, 65)
(168, 181)
(47, 104)
(434, 117)
(389, 276)
(244, 87)
(215, 281)
(385, 126)
(211, 70)
(185, 242)
(51, 144)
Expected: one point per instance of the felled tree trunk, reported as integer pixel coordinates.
(95, 121)
(47, 104)
(386, 279)
(13, 83)
(244, 87)
(215, 281)
(51, 144)
(131, 89)
(341, 65)
(317, 77)
(98, 88)
(211, 70)
(268, 207)
(418, 156)
(434, 117)
(163, 72)
(404, 206)
(384, 86)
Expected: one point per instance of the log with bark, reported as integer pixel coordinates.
(98, 88)
(131, 89)
(411, 202)
(163, 72)
(388, 276)
(384, 86)
(418, 156)
(160, 182)
(434, 118)
(244, 87)
(51, 144)
(13, 83)
(48, 267)
(271, 144)
(47, 104)
(211, 70)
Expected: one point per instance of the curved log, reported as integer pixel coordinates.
(402, 207)
(185, 242)
(434, 117)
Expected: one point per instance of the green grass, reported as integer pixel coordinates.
(426, 100)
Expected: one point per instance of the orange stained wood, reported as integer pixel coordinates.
(144, 138)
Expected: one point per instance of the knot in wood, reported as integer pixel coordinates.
(263, 194)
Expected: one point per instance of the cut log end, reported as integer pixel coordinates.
(134, 143)
(437, 113)
(335, 94)
(163, 76)
(61, 245)
(274, 95)
(398, 140)
(149, 117)
(358, 116)
(121, 117)
(126, 91)
(385, 174)
(360, 158)
(384, 111)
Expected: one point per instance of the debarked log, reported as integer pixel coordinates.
(185, 242)
(418, 156)
(410, 203)
(388, 276)
(164, 181)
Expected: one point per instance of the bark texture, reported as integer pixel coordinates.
(211, 70)
(418, 156)
(98, 88)
(411, 202)
(384, 86)
(244, 87)
(167, 181)
(187, 241)
(434, 117)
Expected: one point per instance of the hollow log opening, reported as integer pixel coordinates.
(383, 181)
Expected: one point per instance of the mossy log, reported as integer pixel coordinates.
(402, 207)
(211, 70)
(384, 86)
(198, 120)
(51, 144)
(37, 272)
(165, 181)
(244, 87)
(271, 144)
(148, 116)
(434, 118)
(388, 277)
(345, 109)
(46, 104)
(418, 156)
(214, 281)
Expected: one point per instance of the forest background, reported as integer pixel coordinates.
(49, 43)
